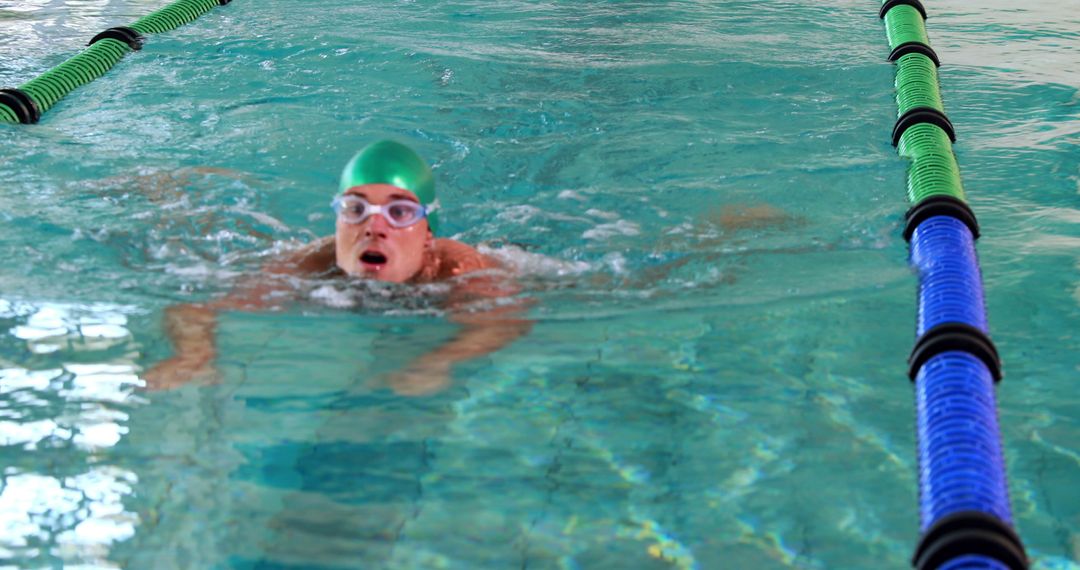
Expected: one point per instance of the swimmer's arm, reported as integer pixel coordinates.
(480, 335)
(482, 332)
(734, 218)
(728, 219)
(314, 258)
(192, 327)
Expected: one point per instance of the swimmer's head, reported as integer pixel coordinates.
(385, 219)
(389, 162)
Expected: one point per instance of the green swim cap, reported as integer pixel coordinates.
(389, 162)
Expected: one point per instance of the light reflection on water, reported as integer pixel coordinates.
(1030, 43)
(69, 510)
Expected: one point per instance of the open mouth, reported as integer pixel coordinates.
(372, 258)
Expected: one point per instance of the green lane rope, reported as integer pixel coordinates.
(933, 171)
(93, 62)
(917, 84)
(47, 89)
(7, 115)
(904, 24)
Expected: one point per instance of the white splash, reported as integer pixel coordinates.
(620, 227)
(332, 297)
(524, 263)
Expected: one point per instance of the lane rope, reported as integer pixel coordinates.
(964, 511)
(29, 101)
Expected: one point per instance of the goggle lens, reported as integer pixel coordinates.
(404, 213)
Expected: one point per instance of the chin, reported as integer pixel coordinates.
(383, 278)
(384, 274)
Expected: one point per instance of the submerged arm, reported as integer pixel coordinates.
(482, 332)
(192, 327)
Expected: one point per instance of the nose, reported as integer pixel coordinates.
(377, 227)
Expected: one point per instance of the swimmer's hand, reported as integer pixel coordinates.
(750, 217)
(179, 370)
(425, 376)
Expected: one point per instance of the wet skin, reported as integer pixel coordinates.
(374, 249)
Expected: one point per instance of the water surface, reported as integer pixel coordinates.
(747, 408)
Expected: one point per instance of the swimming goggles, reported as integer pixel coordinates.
(399, 213)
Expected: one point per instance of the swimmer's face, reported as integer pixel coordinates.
(374, 249)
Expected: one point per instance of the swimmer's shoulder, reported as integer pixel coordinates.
(456, 258)
(314, 258)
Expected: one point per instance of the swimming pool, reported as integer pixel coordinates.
(747, 410)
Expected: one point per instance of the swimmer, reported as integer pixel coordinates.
(387, 220)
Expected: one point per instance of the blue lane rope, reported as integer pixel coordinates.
(973, 563)
(959, 449)
(943, 250)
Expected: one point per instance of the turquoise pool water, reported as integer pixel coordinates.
(747, 410)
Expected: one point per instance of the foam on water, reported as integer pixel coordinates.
(377, 298)
(528, 264)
